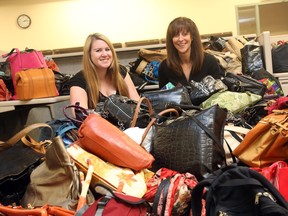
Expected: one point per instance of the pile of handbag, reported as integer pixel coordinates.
(133, 156)
(31, 76)
(146, 66)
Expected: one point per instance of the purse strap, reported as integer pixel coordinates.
(137, 110)
(206, 129)
(153, 120)
(80, 113)
(23, 135)
(10, 53)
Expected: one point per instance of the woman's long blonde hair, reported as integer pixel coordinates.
(91, 75)
(176, 26)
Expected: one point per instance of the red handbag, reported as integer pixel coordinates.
(277, 174)
(98, 136)
(5, 94)
(115, 203)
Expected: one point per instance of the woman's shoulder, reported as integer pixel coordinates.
(78, 80)
(123, 70)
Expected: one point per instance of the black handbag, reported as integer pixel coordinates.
(125, 113)
(252, 58)
(279, 58)
(192, 142)
(160, 98)
(20, 155)
(62, 83)
(243, 83)
(200, 91)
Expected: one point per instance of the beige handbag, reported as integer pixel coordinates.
(55, 181)
(233, 136)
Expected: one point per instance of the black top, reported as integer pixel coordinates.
(79, 80)
(210, 67)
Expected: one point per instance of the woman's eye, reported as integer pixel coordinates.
(107, 49)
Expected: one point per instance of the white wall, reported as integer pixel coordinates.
(66, 23)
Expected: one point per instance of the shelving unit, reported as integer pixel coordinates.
(265, 39)
(71, 63)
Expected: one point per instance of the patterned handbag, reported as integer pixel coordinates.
(234, 102)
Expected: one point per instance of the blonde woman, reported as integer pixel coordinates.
(101, 75)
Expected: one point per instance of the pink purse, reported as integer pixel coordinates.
(23, 60)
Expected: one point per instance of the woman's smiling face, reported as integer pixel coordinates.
(182, 41)
(101, 54)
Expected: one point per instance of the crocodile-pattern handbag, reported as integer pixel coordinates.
(192, 142)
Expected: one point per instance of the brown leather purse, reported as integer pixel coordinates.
(35, 83)
(266, 142)
(100, 137)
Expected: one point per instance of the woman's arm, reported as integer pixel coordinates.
(78, 94)
(133, 94)
(162, 73)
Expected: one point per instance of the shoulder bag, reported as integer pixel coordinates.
(266, 142)
(160, 98)
(192, 142)
(55, 181)
(125, 113)
(100, 137)
(200, 91)
(23, 60)
(242, 83)
(115, 203)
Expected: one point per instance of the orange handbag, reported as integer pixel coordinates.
(266, 142)
(100, 137)
(45, 210)
(35, 83)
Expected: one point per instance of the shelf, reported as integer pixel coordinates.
(122, 49)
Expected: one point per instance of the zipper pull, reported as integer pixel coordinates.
(257, 197)
(267, 194)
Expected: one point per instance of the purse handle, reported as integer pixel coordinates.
(23, 135)
(80, 113)
(137, 110)
(162, 113)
